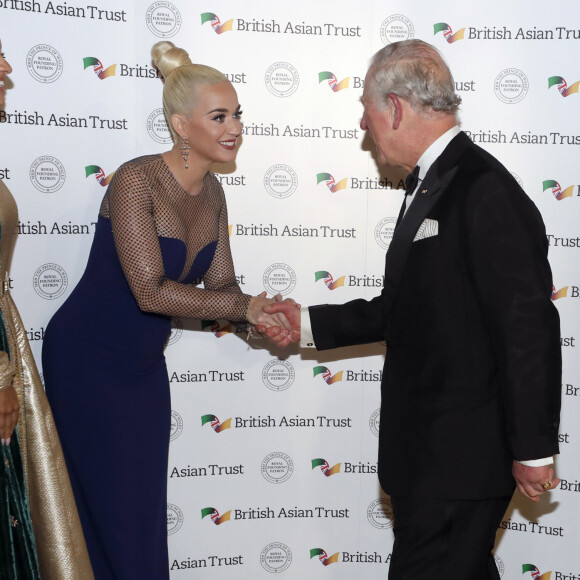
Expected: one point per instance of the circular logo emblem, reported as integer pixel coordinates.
(280, 181)
(380, 513)
(174, 518)
(396, 27)
(278, 375)
(282, 79)
(176, 330)
(384, 232)
(157, 127)
(518, 179)
(500, 565)
(511, 85)
(50, 281)
(279, 279)
(277, 467)
(276, 557)
(375, 421)
(47, 174)
(176, 425)
(44, 63)
(163, 19)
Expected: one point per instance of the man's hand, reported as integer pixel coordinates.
(533, 481)
(278, 336)
(259, 318)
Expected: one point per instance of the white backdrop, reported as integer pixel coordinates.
(311, 215)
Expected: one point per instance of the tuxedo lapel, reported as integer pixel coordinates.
(431, 189)
(428, 194)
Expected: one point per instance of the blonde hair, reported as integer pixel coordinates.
(182, 79)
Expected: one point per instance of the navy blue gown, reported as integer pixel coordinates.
(103, 361)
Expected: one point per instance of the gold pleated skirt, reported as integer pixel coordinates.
(62, 552)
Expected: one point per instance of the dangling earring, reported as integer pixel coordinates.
(184, 148)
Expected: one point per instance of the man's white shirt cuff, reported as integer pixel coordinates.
(538, 462)
(306, 337)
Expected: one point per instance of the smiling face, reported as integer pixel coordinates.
(5, 69)
(214, 125)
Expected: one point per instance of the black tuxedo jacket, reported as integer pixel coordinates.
(472, 375)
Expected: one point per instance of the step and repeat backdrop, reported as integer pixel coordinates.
(274, 453)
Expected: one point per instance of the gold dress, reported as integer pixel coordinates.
(61, 548)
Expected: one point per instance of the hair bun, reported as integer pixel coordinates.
(167, 57)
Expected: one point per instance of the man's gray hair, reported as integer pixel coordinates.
(416, 72)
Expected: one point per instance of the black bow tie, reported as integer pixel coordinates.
(410, 184)
(411, 181)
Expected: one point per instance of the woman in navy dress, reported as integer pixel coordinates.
(162, 227)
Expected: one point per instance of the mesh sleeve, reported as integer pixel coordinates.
(134, 219)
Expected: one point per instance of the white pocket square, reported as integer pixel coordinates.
(428, 229)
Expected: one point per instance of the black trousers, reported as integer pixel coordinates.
(445, 539)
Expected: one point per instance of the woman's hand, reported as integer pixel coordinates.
(256, 315)
(9, 407)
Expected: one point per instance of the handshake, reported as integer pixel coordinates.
(275, 319)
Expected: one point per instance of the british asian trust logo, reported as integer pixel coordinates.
(557, 190)
(562, 85)
(99, 174)
(330, 282)
(215, 516)
(102, 72)
(450, 37)
(324, 558)
(333, 82)
(215, 423)
(562, 293)
(331, 183)
(535, 572)
(325, 466)
(217, 327)
(215, 22)
(328, 377)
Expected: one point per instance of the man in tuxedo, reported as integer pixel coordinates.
(471, 383)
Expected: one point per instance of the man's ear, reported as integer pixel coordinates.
(397, 110)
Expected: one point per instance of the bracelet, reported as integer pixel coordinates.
(252, 334)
